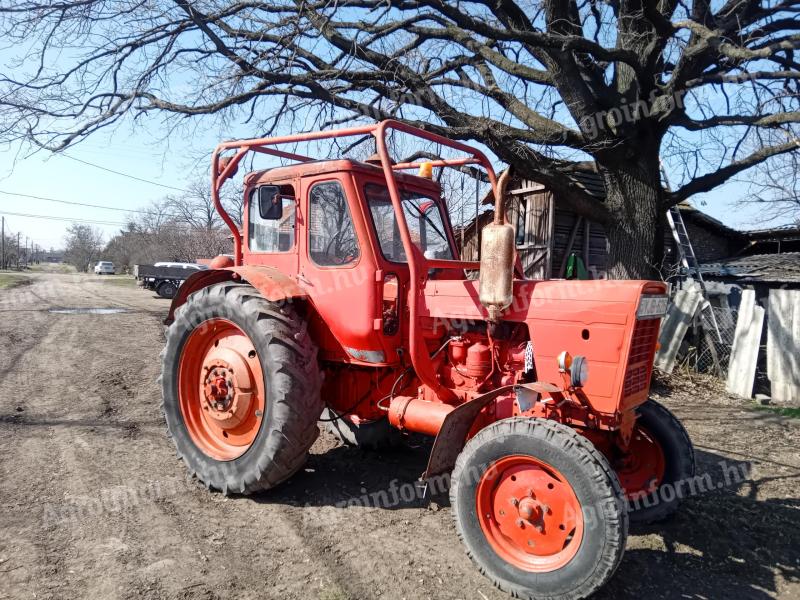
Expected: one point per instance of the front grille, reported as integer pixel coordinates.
(640, 357)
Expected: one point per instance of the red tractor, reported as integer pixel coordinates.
(346, 297)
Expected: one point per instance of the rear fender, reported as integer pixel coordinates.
(270, 282)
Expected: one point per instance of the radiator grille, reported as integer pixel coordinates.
(640, 358)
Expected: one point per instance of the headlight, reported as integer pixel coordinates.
(579, 372)
(577, 367)
(652, 307)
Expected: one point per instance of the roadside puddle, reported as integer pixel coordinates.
(87, 311)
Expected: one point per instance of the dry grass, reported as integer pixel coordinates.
(121, 280)
(10, 280)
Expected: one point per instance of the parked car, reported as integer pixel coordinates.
(104, 268)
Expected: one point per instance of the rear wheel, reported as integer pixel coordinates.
(660, 459)
(241, 388)
(537, 507)
(373, 435)
(167, 290)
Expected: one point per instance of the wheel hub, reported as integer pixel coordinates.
(227, 387)
(641, 470)
(529, 513)
(531, 510)
(224, 406)
(217, 392)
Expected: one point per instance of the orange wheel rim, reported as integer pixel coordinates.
(642, 469)
(529, 514)
(221, 389)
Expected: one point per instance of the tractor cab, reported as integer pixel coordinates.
(349, 211)
(332, 227)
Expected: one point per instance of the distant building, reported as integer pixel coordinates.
(53, 256)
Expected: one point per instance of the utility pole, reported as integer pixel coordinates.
(18, 251)
(3, 255)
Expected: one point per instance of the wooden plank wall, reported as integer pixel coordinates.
(550, 229)
(680, 314)
(596, 257)
(746, 343)
(783, 345)
(535, 251)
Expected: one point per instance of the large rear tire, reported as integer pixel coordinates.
(241, 388)
(538, 509)
(373, 435)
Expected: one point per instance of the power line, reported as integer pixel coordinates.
(91, 164)
(165, 226)
(55, 218)
(10, 234)
(125, 210)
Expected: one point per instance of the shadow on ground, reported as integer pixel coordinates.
(724, 543)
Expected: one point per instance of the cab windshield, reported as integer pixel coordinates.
(424, 218)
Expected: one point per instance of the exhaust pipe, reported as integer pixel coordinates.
(421, 416)
(496, 278)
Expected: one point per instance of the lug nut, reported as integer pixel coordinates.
(514, 502)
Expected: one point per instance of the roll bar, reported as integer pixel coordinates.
(223, 168)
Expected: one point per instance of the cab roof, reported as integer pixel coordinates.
(321, 167)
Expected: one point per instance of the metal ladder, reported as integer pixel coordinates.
(689, 262)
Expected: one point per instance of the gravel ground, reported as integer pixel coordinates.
(94, 503)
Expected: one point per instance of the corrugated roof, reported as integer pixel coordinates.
(692, 213)
(782, 232)
(758, 268)
(590, 182)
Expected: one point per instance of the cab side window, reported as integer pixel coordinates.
(272, 235)
(332, 238)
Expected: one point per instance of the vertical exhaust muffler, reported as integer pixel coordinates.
(496, 278)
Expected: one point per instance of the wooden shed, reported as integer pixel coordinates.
(547, 233)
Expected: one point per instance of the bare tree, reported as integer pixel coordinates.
(545, 85)
(82, 245)
(195, 208)
(775, 193)
(180, 228)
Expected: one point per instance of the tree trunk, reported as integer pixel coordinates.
(634, 196)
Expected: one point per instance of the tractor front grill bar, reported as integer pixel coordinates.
(640, 357)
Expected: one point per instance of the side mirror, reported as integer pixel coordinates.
(270, 207)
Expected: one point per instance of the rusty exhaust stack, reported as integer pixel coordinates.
(497, 257)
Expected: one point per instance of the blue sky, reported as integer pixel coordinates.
(53, 176)
(141, 151)
(142, 154)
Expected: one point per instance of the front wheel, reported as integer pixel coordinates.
(538, 509)
(659, 462)
(241, 388)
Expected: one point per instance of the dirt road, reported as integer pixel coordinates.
(94, 504)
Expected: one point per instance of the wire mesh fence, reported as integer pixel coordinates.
(712, 345)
